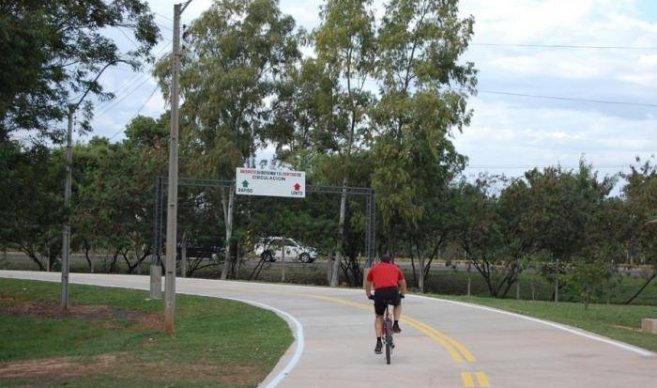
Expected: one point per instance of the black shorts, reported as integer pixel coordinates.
(385, 296)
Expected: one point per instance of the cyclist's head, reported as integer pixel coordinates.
(386, 258)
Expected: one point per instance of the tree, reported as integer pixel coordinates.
(114, 192)
(419, 44)
(86, 216)
(236, 54)
(516, 241)
(563, 208)
(31, 206)
(345, 47)
(481, 232)
(640, 194)
(38, 84)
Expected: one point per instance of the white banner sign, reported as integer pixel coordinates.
(272, 183)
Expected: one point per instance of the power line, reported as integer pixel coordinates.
(569, 98)
(117, 101)
(567, 46)
(138, 111)
(148, 99)
(165, 27)
(163, 16)
(476, 167)
(129, 86)
(128, 37)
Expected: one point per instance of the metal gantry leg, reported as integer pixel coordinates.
(370, 233)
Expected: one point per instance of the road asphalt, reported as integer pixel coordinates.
(443, 343)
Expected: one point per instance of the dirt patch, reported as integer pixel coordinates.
(216, 374)
(55, 368)
(51, 310)
(628, 328)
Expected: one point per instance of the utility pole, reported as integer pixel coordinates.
(66, 241)
(172, 195)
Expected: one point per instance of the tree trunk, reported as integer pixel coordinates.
(420, 279)
(654, 274)
(470, 278)
(113, 265)
(228, 219)
(484, 270)
(556, 283)
(435, 253)
(413, 271)
(33, 255)
(183, 256)
(87, 249)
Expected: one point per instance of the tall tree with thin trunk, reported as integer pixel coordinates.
(423, 90)
(235, 55)
(345, 47)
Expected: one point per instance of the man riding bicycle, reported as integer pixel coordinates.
(389, 287)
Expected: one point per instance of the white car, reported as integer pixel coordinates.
(272, 249)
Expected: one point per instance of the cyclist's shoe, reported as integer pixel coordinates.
(396, 328)
(378, 348)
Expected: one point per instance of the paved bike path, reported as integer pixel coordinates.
(443, 343)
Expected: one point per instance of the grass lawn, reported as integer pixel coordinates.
(620, 322)
(115, 337)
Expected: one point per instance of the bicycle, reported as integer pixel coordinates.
(387, 333)
(386, 329)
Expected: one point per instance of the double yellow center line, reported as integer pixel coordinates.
(457, 351)
(469, 382)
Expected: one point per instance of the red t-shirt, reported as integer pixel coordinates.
(385, 275)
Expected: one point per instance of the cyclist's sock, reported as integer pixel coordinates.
(378, 339)
(396, 323)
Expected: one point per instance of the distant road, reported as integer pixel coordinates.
(320, 263)
(444, 343)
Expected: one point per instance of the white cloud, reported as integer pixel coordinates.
(541, 137)
(511, 134)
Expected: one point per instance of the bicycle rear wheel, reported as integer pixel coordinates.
(388, 331)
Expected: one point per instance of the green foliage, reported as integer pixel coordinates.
(114, 195)
(147, 132)
(564, 207)
(641, 198)
(555, 215)
(588, 278)
(31, 183)
(413, 158)
(39, 84)
(236, 54)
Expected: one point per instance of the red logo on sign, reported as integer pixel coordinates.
(297, 187)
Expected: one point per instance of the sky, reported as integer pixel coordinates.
(559, 81)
